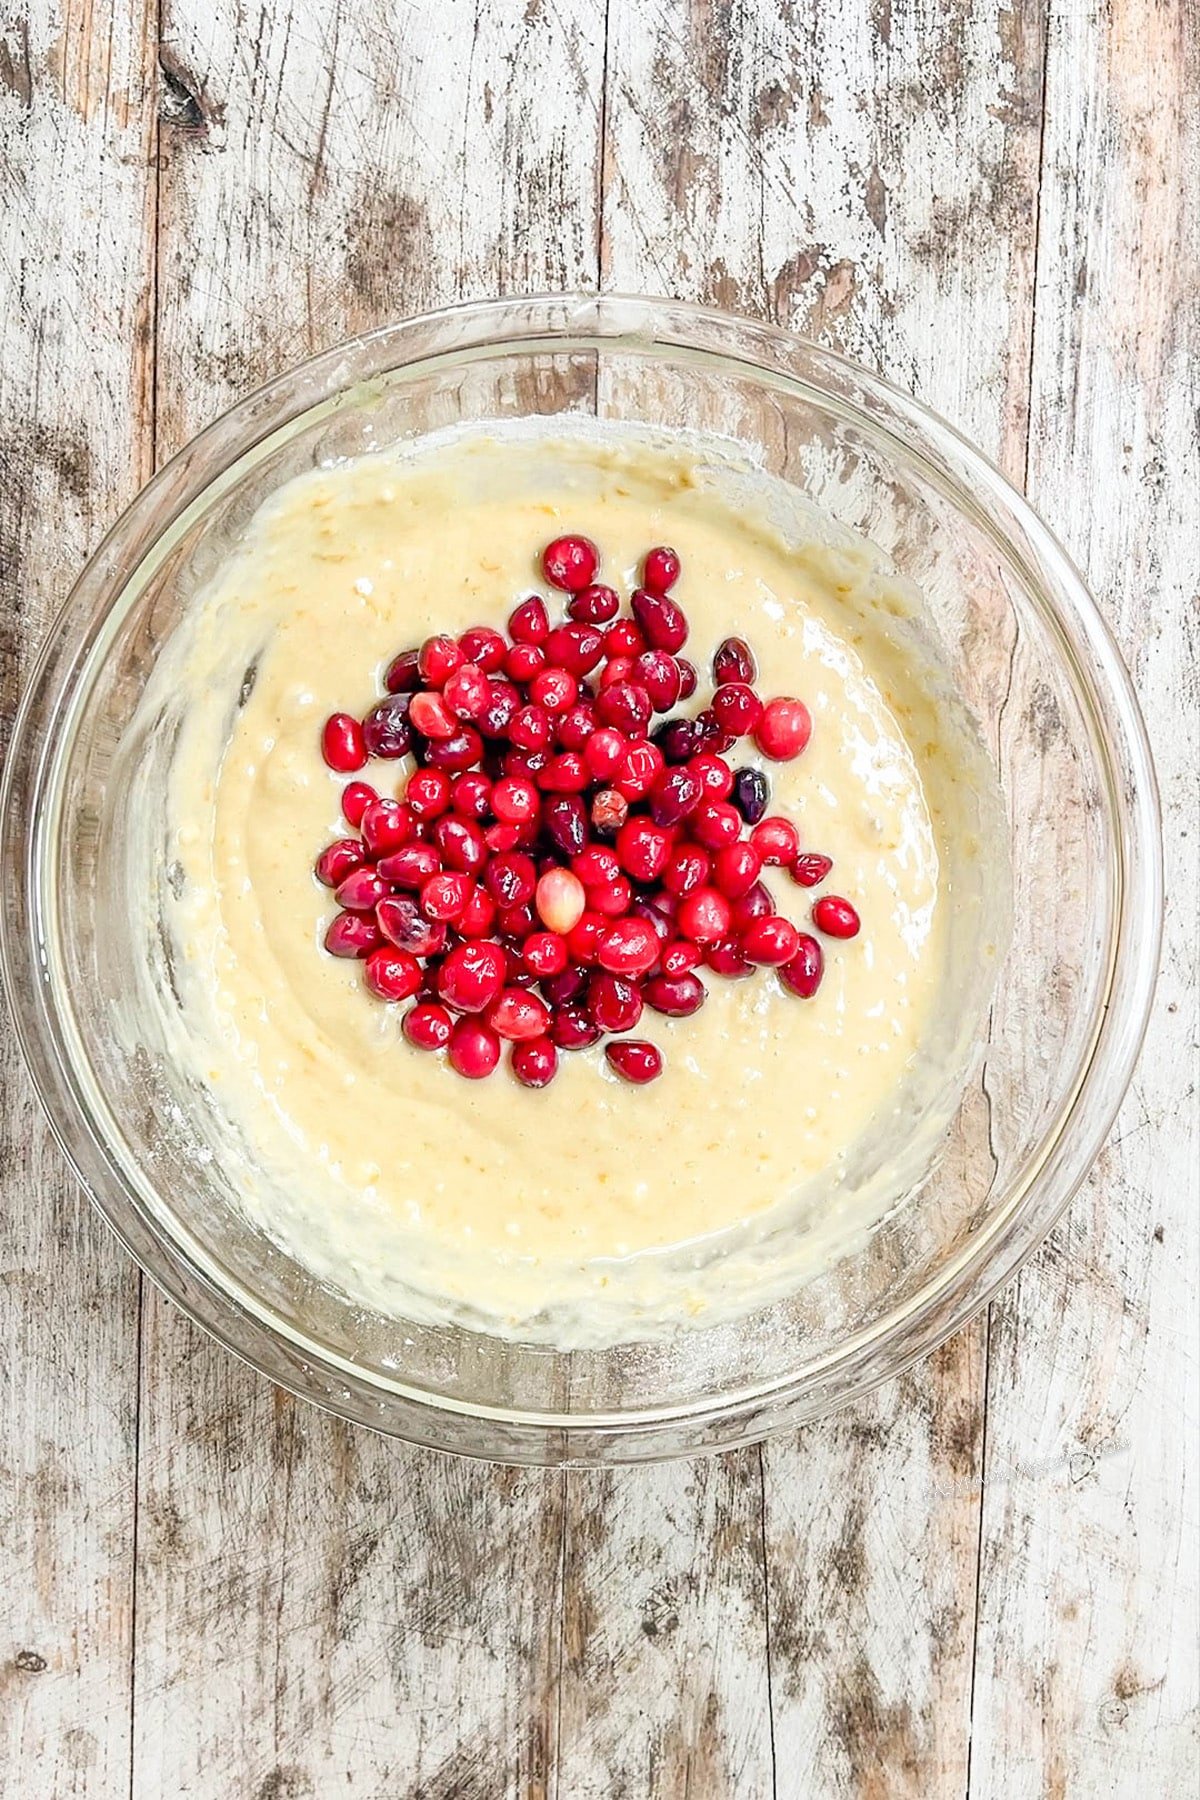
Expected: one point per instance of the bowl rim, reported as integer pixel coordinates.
(944, 1303)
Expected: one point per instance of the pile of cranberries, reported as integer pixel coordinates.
(556, 861)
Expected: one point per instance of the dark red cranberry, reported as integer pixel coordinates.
(629, 947)
(386, 730)
(836, 917)
(471, 794)
(704, 916)
(643, 848)
(511, 878)
(736, 868)
(674, 794)
(688, 678)
(687, 869)
(609, 811)
(444, 896)
(495, 715)
(338, 860)
(714, 822)
(362, 890)
(573, 1027)
(429, 714)
(680, 957)
(639, 769)
(516, 800)
(725, 958)
(738, 708)
(518, 1016)
(526, 765)
(565, 774)
(523, 662)
(428, 1026)
(656, 914)
(777, 841)
(802, 975)
(483, 647)
(356, 797)
(474, 1049)
(402, 923)
(535, 1063)
(734, 661)
(570, 563)
(545, 953)
(751, 794)
(516, 921)
(634, 1060)
(352, 934)
(387, 825)
(529, 623)
(784, 728)
(412, 866)
(677, 740)
(678, 996)
(462, 751)
(472, 975)
(342, 743)
(392, 974)
(576, 726)
(663, 624)
(623, 638)
(561, 989)
(614, 1003)
(757, 904)
(403, 673)
(660, 570)
(594, 605)
(462, 843)
(712, 737)
(604, 752)
(577, 648)
(773, 941)
(626, 707)
(427, 794)
(810, 868)
(658, 672)
(565, 822)
(466, 691)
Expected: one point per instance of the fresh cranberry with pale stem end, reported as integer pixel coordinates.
(565, 822)
(560, 900)
(356, 797)
(471, 795)
(714, 822)
(604, 752)
(529, 623)
(777, 841)
(802, 974)
(429, 714)
(483, 647)
(658, 672)
(554, 690)
(639, 769)
(573, 1027)
(462, 843)
(750, 794)
(736, 868)
(738, 708)
(635, 1060)
(612, 898)
(660, 570)
(386, 730)
(474, 1049)
(663, 624)
(674, 794)
(576, 726)
(511, 878)
(535, 1063)
(338, 860)
(412, 866)
(757, 904)
(689, 680)
(462, 751)
(783, 729)
(630, 947)
(809, 869)
(472, 975)
(444, 896)
(625, 706)
(565, 774)
(439, 657)
(466, 691)
(495, 715)
(619, 669)
(677, 740)
(386, 825)
(773, 941)
(687, 869)
(596, 865)
(609, 811)
(545, 953)
(680, 957)
(342, 743)
(643, 848)
(577, 648)
(427, 794)
(584, 937)
(836, 917)
(352, 934)
(734, 661)
(478, 916)
(392, 974)
(523, 662)
(623, 638)
(362, 890)
(561, 989)
(516, 800)
(570, 563)
(518, 1016)
(403, 673)
(713, 773)
(614, 1003)
(704, 916)
(677, 996)
(428, 1026)
(402, 923)
(725, 958)
(594, 605)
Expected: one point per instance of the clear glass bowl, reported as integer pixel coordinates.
(1034, 663)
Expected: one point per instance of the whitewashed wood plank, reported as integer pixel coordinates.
(320, 1612)
(1087, 1676)
(75, 282)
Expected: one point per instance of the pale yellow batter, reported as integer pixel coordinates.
(376, 1164)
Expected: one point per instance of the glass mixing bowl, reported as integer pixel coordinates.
(1034, 664)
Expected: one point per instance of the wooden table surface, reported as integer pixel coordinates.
(983, 1579)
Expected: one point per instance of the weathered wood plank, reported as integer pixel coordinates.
(75, 282)
(1087, 1662)
(321, 1612)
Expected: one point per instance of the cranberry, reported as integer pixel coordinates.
(352, 934)
(511, 878)
(604, 752)
(444, 896)
(773, 941)
(643, 849)
(565, 774)
(429, 714)
(386, 730)
(483, 647)
(402, 923)
(428, 1026)
(545, 953)
(570, 563)
(577, 648)
(658, 914)
(477, 916)
(462, 751)
(392, 974)
(688, 678)
(516, 800)
(564, 822)
(471, 795)
(427, 794)
(387, 825)
(439, 658)
(736, 868)
(594, 605)
(338, 860)
(687, 869)
(403, 673)
(836, 917)
(638, 770)
(725, 958)
(516, 921)
(802, 974)
(712, 737)
(626, 706)
(809, 869)
(738, 708)
(560, 900)
(472, 975)
(733, 661)
(583, 939)
(362, 890)
(529, 623)
(713, 773)
(474, 1049)
(777, 841)
(660, 570)
(612, 898)
(750, 794)
(576, 726)
(783, 729)
(597, 864)
(356, 797)
(757, 904)
(503, 836)
(674, 794)
(342, 743)
(535, 1063)
(495, 715)
(614, 1003)
(523, 662)
(663, 624)
(554, 690)
(704, 916)
(658, 672)
(630, 947)
(680, 957)
(525, 765)
(517, 1015)
(462, 843)
(678, 996)
(466, 691)
(634, 1060)
(715, 822)
(677, 740)
(412, 866)
(573, 1028)
(623, 638)
(609, 811)
(619, 669)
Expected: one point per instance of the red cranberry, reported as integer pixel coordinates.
(687, 869)
(392, 974)
(674, 794)
(658, 672)
(518, 1016)
(466, 691)
(688, 678)
(757, 904)
(573, 1027)
(714, 822)
(338, 860)
(478, 916)
(474, 1049)
(612, 898)
(704, 916)
(428, 1026)
(623, 638)
(565, 774)
(472, 975)
(609, 811)
(387, 825)
(429, 714)
(678, 996)
(352, 934)
(725, 958)
(444, 896)
(560, 900)
(545, 953)
(626, 706)
(658, 914)
(342, 743)
(638, 770)
(713, 773)
(577, 648)
(462, 843)
(614, 1003)
(462, 751)
(663, 624)
(784, 729)
(736, 868)
(570, 563)
(738, 708)
(516, 921)
(750, 794)
(403, 673)
(630, 947)
(712, 738)
(680, 957)
(802, 975)
(511, 878)
(583, 939)
(660, 570)
(439, 658)
(386, 730)
(471, 795)
(412, 866)
(495, 715)
(734, 661)
(836, 917)
(677, 740)
(773, 941)
(483, 647)
(402, 923)
(356, 797)
(643, 849)
(362, 890)
(554, 690)
(604, 752)
(777, 841)
(576, 726)
(523, 662)
(596, 865)
(525, 765)
(809, 869)
(529, 623)
(634, 1060)
(619, 669)
(535, 1063)
(516, 800)
(427, 794)
(594, 605)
